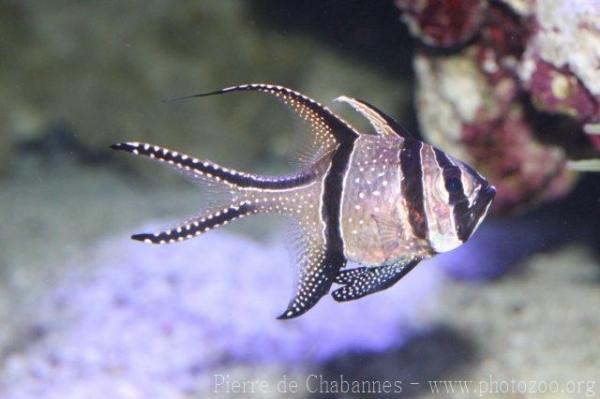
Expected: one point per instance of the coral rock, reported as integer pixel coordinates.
(443, 23)
(560, 64)
(559, 91)
(471, 101)
(488, 129)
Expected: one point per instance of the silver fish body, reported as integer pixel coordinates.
(396, 202)
(384, 200)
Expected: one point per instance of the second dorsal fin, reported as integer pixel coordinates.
(383, 124)
(329, 130)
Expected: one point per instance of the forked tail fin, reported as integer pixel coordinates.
(239, 194)
(205, 169)
(195, 227)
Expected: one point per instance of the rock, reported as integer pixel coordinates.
(440, 23)
(470, 100)
(534, 325)
(559, 67)
(487, 128)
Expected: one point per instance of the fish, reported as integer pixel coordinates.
(381, 199)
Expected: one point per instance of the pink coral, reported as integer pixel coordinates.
(474, 101)
(560, 64)
(558, 90)
(443, 23)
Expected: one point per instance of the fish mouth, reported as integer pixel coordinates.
(490, 192)
(482, 207)
(475, 215)
(486, 196)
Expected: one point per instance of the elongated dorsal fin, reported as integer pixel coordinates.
(329, 130)
(384, 124)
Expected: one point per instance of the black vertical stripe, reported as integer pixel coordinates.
(332, 208)
(452, 174)
(332, 195)
(456, 194)
(412, 187)
(334, 259)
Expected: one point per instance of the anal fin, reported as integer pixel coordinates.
(314, 282)
(317, 264)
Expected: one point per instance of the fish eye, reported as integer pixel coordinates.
(453, 185)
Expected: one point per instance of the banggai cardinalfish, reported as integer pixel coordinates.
(383, 200)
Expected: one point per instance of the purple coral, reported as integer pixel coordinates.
(143, 320)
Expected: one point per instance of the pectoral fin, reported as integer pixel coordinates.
(314, 281)
(390, 234)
